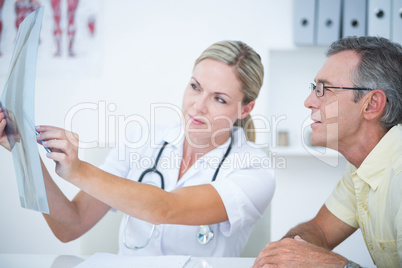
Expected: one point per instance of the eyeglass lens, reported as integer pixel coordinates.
(319, 89)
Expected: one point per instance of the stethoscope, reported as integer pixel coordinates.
(204, 233)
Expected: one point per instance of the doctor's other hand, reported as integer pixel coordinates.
(63, 145)
(3, 136)
(296, 252)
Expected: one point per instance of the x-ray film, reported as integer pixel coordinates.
(18, 104)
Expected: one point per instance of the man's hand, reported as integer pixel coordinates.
(297, 253)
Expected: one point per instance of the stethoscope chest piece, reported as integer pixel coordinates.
(204, 234)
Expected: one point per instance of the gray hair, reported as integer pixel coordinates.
(380, 68)
(250, 72)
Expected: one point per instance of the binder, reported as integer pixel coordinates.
(304, 22)
(328, 21)
(354, 18)
(397, 21)
(379, 18)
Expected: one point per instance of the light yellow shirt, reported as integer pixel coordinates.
(370, 198)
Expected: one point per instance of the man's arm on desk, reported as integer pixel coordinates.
(308, 244)
(325, 230)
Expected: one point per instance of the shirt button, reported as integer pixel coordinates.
(382, 246)
(364, 207)
(371, 246)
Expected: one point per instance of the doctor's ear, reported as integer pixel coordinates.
(375, 104)
(246, 109)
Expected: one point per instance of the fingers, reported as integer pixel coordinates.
(279, 253)
(2, 124)
(267, 266)
(47, 133)
(3, 137)
(266, 258)
(64, 150)
(63, 144)
(59, 146)
(299, 239)
(57, 157)
(2, 121)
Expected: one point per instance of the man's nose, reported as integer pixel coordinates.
(311, 101)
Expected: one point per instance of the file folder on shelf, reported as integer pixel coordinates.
(397, 21)
(304, 22)
(354, 18)
(328, 21)
(379, 18)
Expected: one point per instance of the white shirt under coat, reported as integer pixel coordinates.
(245, 184)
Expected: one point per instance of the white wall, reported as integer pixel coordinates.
(148, 50)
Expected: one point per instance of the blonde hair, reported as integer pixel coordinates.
(250, 72)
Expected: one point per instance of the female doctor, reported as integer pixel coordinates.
(204, 205)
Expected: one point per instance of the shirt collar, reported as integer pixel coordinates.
(378, 159)
(214, 157)
(175, 136)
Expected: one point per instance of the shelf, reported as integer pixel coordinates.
(327, 156)
(308, 152)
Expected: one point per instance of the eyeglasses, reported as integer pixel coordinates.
(320, 88)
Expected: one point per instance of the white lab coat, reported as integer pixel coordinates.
(245, 183)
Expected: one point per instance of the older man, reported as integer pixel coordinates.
(356, 106)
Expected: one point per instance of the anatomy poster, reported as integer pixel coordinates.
(70, 39)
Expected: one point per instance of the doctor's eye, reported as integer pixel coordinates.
(194, 86)
(220, 100)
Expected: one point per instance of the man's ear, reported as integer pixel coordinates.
(375, 104)
(246, 109)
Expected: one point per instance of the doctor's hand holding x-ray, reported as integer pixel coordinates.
(3, 136)
(191, 208)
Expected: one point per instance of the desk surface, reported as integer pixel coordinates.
(67, 261)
